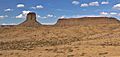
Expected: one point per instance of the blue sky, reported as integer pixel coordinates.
(49, 11)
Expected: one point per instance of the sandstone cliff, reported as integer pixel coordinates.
(86, 21)
(30, 20)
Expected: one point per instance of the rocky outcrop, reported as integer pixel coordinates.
(30, 20)
(86, 21)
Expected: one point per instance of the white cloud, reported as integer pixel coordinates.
(84, 5)
(50, 15)
(9, 24)
(8, 9)
(33, 7)
(20, 16)
(75, 2)
(105, 2)
(44, 17)
(38, 7)
(38, 16)
(103, 13)
(23, 14)
(94, 3)
(109, 14)
(2, 17)
(117, 6)
(90, 4)
(20, 5)
(81, 16)
(47, 16)
(113, 13)
(61, 17)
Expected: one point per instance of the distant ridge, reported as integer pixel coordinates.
(86, 21)
(32, 22)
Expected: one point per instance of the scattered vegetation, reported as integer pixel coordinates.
(104, 53)
(70, 56)
(1, 54)
(82, 54)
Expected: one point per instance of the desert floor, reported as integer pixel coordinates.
(70, 41)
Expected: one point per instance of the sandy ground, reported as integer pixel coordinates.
(76, 41)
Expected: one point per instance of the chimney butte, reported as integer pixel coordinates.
(30, 21)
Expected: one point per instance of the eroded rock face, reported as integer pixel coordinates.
(86, 21)
(31, 20)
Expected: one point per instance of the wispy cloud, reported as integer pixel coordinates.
(104, 13)
(61, 17)
(2, 17)
(23, 14)
(84, 5)
(75, 2)
(105, 2)
(109, 14)
(50, 15)
(6, 10)
(9, 24)
(117, 6)
(20, 5)
(79, 16)
(47, 16)
(90, 4)
(113, 13)
(38, 7)
(94, 3)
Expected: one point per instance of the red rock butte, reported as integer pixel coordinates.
(30, 20)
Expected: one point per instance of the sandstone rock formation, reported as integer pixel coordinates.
(86, 21)
(30, 21)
